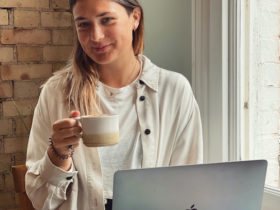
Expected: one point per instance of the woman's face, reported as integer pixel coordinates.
(104, 29)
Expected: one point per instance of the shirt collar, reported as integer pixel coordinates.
(150, 73)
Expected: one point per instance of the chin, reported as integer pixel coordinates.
(102, 59)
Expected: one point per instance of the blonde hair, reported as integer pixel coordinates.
(79, 78)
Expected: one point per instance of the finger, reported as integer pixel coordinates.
(65, 123)
(74, 113)
(76, 145)
(66, 142)
(67, 132)
(73, 146)
(79, 135)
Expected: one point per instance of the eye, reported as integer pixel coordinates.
(106, 19)
(83, 24)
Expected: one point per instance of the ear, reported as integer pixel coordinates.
(136, 15)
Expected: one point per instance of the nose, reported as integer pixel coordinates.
(97, 33)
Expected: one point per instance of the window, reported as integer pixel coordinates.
(235, 79)
(260, 88)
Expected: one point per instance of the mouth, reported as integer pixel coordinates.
(102, 48)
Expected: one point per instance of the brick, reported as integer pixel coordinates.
(25, 72)
(268, 146)
(43, 3)
(6, 127)
(25, 107)
(60, 4)
(63, 37)
(269, 6)
(57, 53)
(8, 160)
(6, 54)
(9, 182)
(18, 158)
(6, 182)
(6, 90)
(18, 144)
(6, 163)
(20, 128)
(25, 36)
(2, 181)
(268, 28)
(268, 122)
(1, 144)
(58, 66)
(268, 49)
(270, 74)
(269, 99)
(6, 199)
(26, 89)
(29, 53)
(4, 17)
(25, 3)
(56, 19)
(26, 18)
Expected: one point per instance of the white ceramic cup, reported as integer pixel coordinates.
(99, 131)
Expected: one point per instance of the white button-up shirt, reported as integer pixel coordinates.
(170, 129)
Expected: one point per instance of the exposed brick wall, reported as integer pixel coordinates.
(36, 38)
(265, 84)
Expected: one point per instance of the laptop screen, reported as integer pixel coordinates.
(218, 186)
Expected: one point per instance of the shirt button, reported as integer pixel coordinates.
(147, 131)
(142, 98)
(69, 177)
(141, 82)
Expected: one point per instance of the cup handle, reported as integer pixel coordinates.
(79, 120)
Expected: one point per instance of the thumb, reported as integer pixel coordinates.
(74, 113)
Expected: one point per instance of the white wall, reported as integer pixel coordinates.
(264, 92)
(168, 32)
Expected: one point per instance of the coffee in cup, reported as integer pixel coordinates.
(100, 130)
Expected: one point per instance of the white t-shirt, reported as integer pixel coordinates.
(127, 154)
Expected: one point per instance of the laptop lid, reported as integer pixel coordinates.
(218, 186)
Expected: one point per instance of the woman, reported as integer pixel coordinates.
(159, 117)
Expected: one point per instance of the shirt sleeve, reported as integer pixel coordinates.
(188, 147)
(47, 186)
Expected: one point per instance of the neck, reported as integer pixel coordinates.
(119, 73)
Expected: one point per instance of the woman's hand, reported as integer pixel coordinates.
(65, 132)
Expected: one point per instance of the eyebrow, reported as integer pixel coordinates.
(99, 15)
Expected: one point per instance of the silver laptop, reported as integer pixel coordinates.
(219, 186)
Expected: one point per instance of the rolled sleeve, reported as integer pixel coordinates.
(55, 175)
(47, 186)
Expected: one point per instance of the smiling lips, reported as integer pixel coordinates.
(101, 49)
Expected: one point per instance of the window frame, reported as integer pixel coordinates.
(216, 27)
(209, 73)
